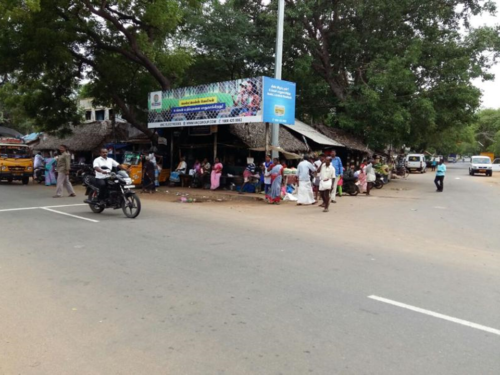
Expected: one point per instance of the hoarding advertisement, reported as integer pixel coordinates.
(240, 101)
(279, 101)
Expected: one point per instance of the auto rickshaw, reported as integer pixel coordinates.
(134, 162)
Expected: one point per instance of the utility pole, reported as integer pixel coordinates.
(275, 133)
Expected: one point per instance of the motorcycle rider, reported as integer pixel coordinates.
(38, 165)
(103, 167)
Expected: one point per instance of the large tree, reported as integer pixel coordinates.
(124, 48)
(399, 71)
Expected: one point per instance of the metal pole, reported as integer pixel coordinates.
(277, 69)
(267, 139)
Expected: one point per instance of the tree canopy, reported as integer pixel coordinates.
(394, 71)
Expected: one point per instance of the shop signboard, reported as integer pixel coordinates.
(248, 100)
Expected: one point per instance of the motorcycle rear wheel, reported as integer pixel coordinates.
(131, 206)
(378, 184)
(353, 191)
(94, 207)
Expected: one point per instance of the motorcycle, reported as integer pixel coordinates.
(351, 187)
(379, 182)
(77, 171)
(39, 175)
(119, 194)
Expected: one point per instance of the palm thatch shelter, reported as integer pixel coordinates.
(84, 138)
(350, 141)
(254, 137)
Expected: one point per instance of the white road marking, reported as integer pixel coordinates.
(437, 315)
(36, 208)
(64, 213)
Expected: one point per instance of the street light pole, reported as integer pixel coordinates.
(275, 133)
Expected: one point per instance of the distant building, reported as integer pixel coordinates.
(93, 114)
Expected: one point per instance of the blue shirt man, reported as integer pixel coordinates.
(441, 170)
(339, 171)
(337, 164)
(439, 180)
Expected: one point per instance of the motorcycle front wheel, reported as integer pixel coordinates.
(378, 184)
(131, 206)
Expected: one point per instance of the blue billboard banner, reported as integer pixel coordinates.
(279, 101)
(259, 99)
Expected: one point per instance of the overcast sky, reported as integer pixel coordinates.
(490, 89)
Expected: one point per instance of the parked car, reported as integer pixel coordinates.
(481, 164)
(495, 166)
(416, 162)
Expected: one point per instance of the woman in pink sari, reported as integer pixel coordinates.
(362, 178)
(216, 173)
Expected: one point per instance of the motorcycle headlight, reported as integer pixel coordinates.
(29, 168)
(4, 168)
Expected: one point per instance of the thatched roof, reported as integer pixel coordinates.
(85, 137)
(350, 141)
(254, 136)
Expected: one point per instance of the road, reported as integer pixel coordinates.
(404, 282)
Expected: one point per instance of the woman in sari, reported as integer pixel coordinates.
(50, 170)
(276, 170)
(362, 179)
(216, 173)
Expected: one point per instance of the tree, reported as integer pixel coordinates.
(124, 47)
(399, 71)
(12, 110)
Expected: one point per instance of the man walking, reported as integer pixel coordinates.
(327, 176)
(63, 168)
(440, 173)
(370, 176)
(305, 193)
(336, 163)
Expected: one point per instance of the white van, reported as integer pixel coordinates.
(416, 162)
(481, 164)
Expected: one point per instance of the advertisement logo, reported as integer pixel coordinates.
(155, 100)
(279, 110)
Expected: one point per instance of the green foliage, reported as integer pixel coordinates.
(394, 71)
(123, 49)
(399, 70)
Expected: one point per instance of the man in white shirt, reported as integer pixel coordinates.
(103, 167)
(317, 164)
(326, 174)
(38, 163)
(305, 193)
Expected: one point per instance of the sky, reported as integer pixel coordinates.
(490, 89)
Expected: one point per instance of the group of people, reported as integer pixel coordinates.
(56, 170)
(202, 173)
(325, 177)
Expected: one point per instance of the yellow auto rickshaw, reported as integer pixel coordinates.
(133, 161)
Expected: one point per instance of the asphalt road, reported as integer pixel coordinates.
(239, 288)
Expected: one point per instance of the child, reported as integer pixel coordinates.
(339, 185)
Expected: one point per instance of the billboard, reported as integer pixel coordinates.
(259, 99)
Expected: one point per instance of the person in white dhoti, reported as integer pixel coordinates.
(305, 192)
